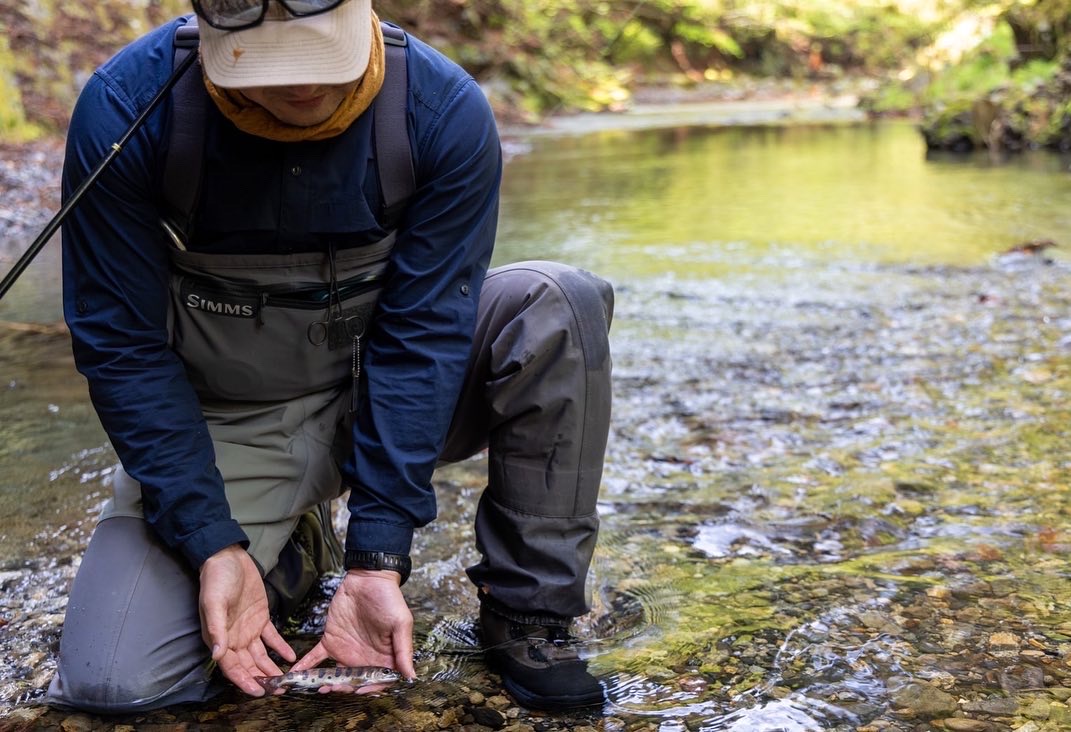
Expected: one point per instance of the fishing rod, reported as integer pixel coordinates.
(72, 201)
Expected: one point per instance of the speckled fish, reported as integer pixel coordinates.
(313, 678)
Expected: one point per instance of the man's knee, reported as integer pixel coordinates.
(588, 293)
(547, 300)
(88, 687)
(131, 639)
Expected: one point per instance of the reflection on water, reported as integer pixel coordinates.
(736, 201)
(836, 487)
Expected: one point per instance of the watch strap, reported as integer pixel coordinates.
(400, 563)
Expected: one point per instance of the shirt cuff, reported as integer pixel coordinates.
(205, 542)
(374, 536)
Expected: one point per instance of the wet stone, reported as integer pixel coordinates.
(1037, 709)
(923, 700)
(994, 705)
(449, 718)
(1003, 642)
(1060, 692)
(76, 723)
(1060, 715)
(23, 718)
(488, 717)
(882, 623)
(417, 720)
(939, 593)
(1029, 727)
(1019, 676)
(958, 724)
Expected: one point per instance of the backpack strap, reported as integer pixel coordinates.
(182, 170)
(394, 158)
(183, 167)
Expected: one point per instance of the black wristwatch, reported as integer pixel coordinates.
(399, 563)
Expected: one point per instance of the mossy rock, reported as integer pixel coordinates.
(951, 127)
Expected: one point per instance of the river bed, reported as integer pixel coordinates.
(836, 488)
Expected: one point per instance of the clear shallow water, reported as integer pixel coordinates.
(836, 467)
(720, 202)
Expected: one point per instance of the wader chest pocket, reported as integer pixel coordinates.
(252, 342)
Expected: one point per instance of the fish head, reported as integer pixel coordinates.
(382, 675)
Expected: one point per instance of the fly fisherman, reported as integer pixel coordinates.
(295, 334)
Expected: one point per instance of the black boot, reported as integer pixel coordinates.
(539, 664)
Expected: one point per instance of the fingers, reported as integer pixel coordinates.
(239, 668)
(214, 630)
(263, 665)
(402, 638)
(313, 658)
(274, 641)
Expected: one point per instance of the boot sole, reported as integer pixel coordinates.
(552, 703)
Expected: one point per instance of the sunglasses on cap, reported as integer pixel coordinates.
(234, 15)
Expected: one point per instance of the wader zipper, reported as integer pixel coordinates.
(311, 297)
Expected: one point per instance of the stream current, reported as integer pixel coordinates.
(835, 495)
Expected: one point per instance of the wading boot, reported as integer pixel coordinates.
(539, 664)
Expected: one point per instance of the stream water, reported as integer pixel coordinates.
(835, 494)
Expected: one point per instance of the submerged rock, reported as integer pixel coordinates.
(922, 700)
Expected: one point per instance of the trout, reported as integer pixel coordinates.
(314, 678)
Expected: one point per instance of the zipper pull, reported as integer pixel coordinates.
(355, 373)
(260, 308)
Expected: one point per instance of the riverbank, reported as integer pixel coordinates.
(29, 191)
(30, 171)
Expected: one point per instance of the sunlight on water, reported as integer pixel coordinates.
(704, 202)
(835, 490)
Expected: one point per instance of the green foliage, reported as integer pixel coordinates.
(890, 98)
(982, 70)
(13, 124)
(49, 49)
(585, 54)
(561, 55)
(1035, 73)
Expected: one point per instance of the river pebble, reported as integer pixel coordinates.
(488, 717)
(958, 724)
(923, 700)
(890, 625)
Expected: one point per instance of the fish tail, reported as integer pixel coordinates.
(270, 683)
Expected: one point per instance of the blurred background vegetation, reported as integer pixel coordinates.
(978, 72)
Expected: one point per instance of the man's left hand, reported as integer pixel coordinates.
(368, 624)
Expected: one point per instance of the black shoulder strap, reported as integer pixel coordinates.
(182, 169)
(394, 158)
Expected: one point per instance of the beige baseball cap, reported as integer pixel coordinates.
(328, 48)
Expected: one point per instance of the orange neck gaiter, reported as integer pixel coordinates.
(250, 117)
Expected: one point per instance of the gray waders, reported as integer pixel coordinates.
(537, 394)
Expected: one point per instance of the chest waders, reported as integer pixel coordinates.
(272, 343)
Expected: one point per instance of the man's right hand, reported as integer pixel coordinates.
(235, 622)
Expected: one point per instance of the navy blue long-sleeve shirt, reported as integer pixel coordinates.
(260, 196)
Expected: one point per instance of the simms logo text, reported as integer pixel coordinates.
(220, 307)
